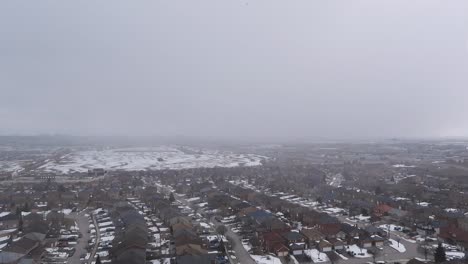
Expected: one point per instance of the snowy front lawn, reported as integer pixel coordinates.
(316, 255)
(266, 259)
(454, 255)
(391, 227)
(397, 246)
(357, 251)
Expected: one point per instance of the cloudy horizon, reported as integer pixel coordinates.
(235, 69)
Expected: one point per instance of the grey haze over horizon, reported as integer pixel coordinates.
(235, 69)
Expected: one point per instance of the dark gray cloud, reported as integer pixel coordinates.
(236, 69)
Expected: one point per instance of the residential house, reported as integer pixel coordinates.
(337, 244)
(196, 259)
(381, 210)
(313, 237)
(271, 242)
(324, 246)
(295, 241)
(372, 230)
(8, 221)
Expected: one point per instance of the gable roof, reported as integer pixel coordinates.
(22, 246)
(373, 229)
(324, 243)
(260, 215)
(312, 233)
(279, 247)
(382, 208)
(8, 217)
(292, 236)
(189, 249)
(348, 229)
(195, 259)
(35, 236)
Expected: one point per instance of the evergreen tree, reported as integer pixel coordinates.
(221, 229)
(439, 254)
(98, 260)
(20, 223)
(171, 197)
(26, 207)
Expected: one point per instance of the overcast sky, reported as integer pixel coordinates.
(235, 68)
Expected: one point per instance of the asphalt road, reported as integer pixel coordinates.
(242, 255)
(98, 238)
(80, 247)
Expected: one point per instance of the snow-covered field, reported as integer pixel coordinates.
(10, 166)
(148, 159)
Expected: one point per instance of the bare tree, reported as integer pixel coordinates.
(221, 229)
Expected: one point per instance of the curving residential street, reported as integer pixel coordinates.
(80, 248)
(98, 238)
(242, 255)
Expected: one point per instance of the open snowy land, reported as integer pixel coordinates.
(10, 166)
(148, 159)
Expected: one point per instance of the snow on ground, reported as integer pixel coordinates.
(408, 240)
(391, 227)
(335, 180)
(107, 238)
(10, 166)
(316, 255)
(334, 210)
(341, 256)
(454, 255)
(266, 259)
(247, 246)
(105, 224)
(401, 199)
(359, 218)
(205, 225)
(358, 252)
(4, 239)
(66, 211)
(2, 214)
(423, 204)
(164, 157)
(161, 261)
(403, 166)
(397, 246)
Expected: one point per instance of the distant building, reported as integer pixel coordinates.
(96, 172)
